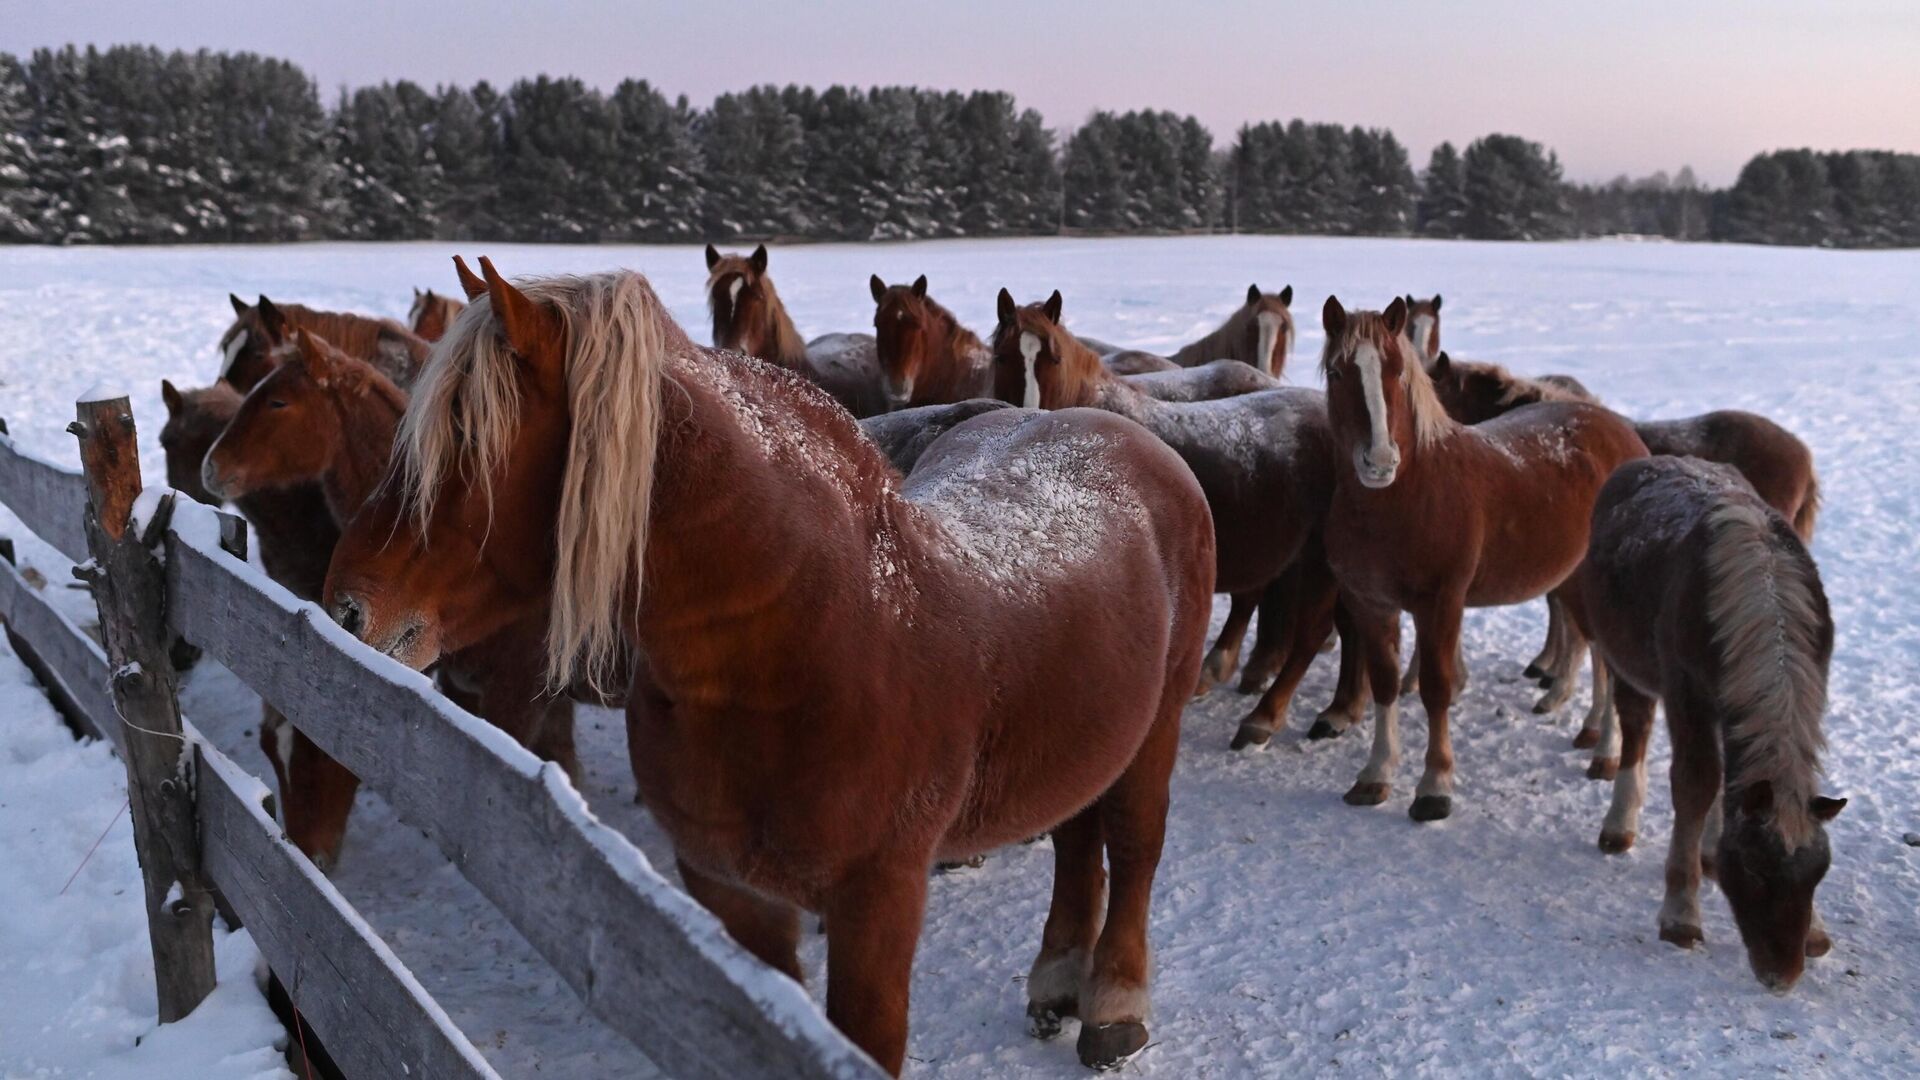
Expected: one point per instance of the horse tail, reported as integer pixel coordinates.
(1768, 619)
(1808, 514)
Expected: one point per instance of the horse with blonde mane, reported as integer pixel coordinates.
(261, 335)
(431, 313)
(749, 317)
(324, 418)
(1265, 462)
(1431, 516)
(813, 624)
(1701, 596)
(1259, 333)
(1423, 327)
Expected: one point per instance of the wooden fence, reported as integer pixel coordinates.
(642, 956)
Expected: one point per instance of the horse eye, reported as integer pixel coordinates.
(277, 404)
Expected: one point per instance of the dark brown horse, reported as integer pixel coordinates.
(260, 336)
(1701, 596)
(905, 434)
(1259, 333)
(431, 314)
(813, 625)
(926, 356)
(1432, 517)
(749, 317)
(1264, 461)
(325, 418)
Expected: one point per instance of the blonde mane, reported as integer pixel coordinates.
(465, 412)
(1763, 607)
(1430, 420)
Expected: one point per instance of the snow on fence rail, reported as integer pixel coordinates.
(641, 955)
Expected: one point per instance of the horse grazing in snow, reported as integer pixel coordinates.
(431, 314)
(324, 418)
(812, 625)
(1264, 460)
(1702, 596)
(1259, 333)
(749, 317)
(1431, 516)
(260, 336)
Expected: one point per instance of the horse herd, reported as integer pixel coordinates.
(959, 598)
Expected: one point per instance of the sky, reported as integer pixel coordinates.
(1622, 86)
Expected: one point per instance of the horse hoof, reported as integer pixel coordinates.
(1615, 843)
(1535, 672)
(1682, 935)
(1363, 793)
(1431, 807)
(1587, 739)
(1108, 1046)
(1818, 943)
(1044, 1017)
(1251, 735)
(1603, 768)
(1321, 729)
(973, 863)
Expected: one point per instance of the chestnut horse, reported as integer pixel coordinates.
(431, 314)
(324, 417)
(1431, 516)
(1701, 596)
(926, 356)
(1264, 460)
(812, 626)
(1259, 333)
(1423, 327)
(259, 335)
(749, 317)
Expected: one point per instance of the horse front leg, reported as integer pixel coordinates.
(1353, 689)
(1635, 712)
(1225, 654)
(1696, 786)
(1061, 971)
(1310, 618)
(1549, 649)
(873, 917)
(1379, 632)
(1281, 609)
(768, 929)
(1438, 645)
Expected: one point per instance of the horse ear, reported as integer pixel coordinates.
(521, 318)
(1286, 296)
(273, 321)
(1442, 366)
(1825, 808)
(759, 259)
(1333, 318)
(1007, 308)
(470, 282)
(1253, 294)
(1436, 303)
(171, 396)
(920, 285)
(1052, 307)
(877, 287)
(713, 256)
(416, 292)
(1758, 798)
(239, 305)
(312, 357)
(1396, 315)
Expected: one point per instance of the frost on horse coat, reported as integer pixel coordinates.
(844, 675)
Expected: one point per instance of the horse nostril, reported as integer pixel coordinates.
(348, 613)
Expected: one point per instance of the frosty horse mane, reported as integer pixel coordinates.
(748, 315)
(465, 410)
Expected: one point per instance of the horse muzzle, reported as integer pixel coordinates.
(1375, 473)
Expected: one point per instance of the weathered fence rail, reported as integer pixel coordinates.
(641, 955)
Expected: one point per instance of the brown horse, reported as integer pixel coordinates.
(1207, 382)
(1701, 596)
(1423, 327)
(431, 314)
(813, 625)
(1430, 516)
(926, 356)
(1264, 460)
(325, 418)
(1259, 333)
(749, 317)
(259, 336)
(905, 434)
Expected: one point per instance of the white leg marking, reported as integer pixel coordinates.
(232, 353)
(1603, 717)
(1030, 351)
(1385, 756)
(1629, 792)
(1061, 977)
(1113, 1002)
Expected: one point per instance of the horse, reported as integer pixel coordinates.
(926, 356)
(323, 417)
(1207, 382)
(1259, 333)
(812, 624)
(431, 313)
(904, 434)
(1265, 462)
(749, 317)
(1702, 596)
(1431, 516)
(259, 335)
(1773, 461)
(1423, 327)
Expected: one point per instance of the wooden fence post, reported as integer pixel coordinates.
(130, 588)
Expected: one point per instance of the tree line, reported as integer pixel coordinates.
(136, 145)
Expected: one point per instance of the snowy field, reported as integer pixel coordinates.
(1294, 934)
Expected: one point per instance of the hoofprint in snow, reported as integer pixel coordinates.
(1292, 933)
(76, 973)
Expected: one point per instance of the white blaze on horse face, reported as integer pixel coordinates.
(1422, 334)
(1378, 462)
(1269, 337)
(733, 290)
(1030, 351)
(232, 353)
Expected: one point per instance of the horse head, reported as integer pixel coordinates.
(741, 298)
(195, 419)
(1269, 328)
(903, 331)
(1037, 364)
(1379, 399)
(1769, 875)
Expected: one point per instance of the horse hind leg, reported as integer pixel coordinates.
(1309, 619)
(1635, 712)
(1600, 731)
(1225, 655)
(1566, 668)
(1549, 649)
(1061, 971)
(1280, 612)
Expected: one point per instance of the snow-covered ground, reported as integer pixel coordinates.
(1294, 934)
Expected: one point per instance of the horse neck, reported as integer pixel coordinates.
(777, 340)
(960, 360)
(1223, 344)
(1102, 389)
(367, 421)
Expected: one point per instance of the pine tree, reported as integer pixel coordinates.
(19, 198)
(753, 157)
(657, 163)
(1514, 191)
(1443, 196)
